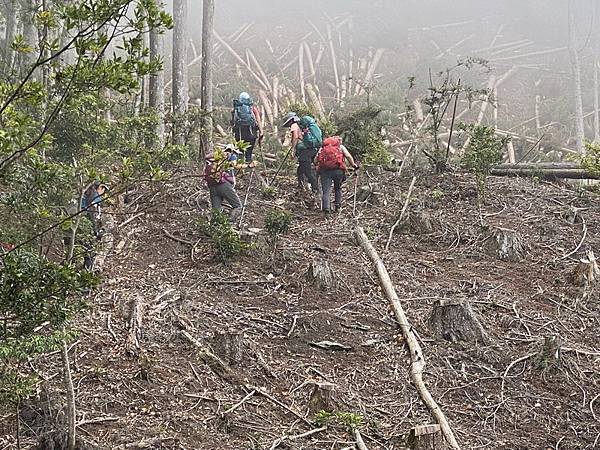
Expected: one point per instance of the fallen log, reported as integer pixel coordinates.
(547, 172)
(417, 359)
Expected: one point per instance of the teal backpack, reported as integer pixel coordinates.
(313, 137)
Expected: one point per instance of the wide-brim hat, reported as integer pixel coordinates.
(232, 148)
(290, 119)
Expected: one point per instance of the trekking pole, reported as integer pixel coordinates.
(246, 197)
(280, 166)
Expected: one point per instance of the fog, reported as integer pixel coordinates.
(525, 41)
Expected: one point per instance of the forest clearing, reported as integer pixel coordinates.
(171, 281)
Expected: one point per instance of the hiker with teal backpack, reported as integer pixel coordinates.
(307, 139)
(246, 123)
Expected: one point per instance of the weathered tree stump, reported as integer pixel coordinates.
(322, 398)
(423, 222)
(134, 325)
(58, 441)
(506, 245)
(549, 356)
(426, 437)
(228, 345)
(586, 271)
(367, 193)
(572, 215)
(454, 321)
(320, 274)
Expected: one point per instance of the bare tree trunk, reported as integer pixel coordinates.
(596, 81)
(576, 68)
(156, 99)
(70, 398)
(206, 96)
(11, 30)
(143, 99)
(180, 43)
(31, 37)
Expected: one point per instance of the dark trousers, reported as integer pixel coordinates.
(305, 170)
(247, 135)
(333, 177)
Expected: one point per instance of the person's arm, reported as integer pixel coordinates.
(295, 137)
(348, 156)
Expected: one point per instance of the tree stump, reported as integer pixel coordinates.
(322, 398)
(367, 193)
(549, 356)
(506, 245)
(586, 272)
(423, 222)
(320, 274)
(228, 346)
(454, 321)
(58, 441)
(426, 437)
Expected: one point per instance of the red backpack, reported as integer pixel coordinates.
(331, 155)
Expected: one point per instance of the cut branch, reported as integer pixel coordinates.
(417, 364)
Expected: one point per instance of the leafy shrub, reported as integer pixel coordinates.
(225, 240)
(348, 420)
(277, 222)
(483, 152)
(37, 300)
(361, 132)
(591, 160)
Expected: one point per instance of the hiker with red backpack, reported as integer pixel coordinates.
(219, 174)
(307, 139)
(246, 123)
(331, 167)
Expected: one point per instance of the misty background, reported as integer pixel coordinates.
(526, 42)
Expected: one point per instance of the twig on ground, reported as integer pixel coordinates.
(412, 183)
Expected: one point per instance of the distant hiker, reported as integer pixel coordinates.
(331, 167)
(89, 232)
(91, 201)
(219, 174)
(306, 142)
(246, 123)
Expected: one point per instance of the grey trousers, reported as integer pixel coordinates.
(225, 191)
(333, 177)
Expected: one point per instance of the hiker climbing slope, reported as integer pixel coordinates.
(219, 174)
(306, 142)
(246, 123)
(331, 167)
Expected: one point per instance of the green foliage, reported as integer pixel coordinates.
(443, 90)
(361, 132)
(348, 420)
(483, 152)
(224, 239)
(277, 222)
(269, 192)
(37, 300)
(322, 418)
(590, 161)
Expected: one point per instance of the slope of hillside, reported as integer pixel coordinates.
(496, 395)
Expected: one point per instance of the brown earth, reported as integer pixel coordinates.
(163, 395)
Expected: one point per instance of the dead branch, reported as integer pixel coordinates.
(417, 364)
(134, 325)
(406, 202)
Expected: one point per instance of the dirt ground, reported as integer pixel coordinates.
(496, 395)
